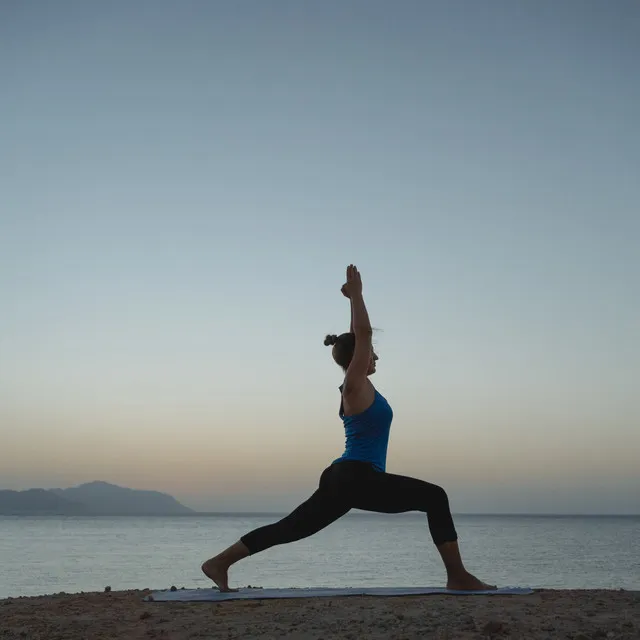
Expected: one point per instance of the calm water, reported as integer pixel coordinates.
(40, 555)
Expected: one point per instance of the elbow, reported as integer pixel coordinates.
(363, 332)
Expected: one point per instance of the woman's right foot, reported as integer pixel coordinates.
(468, 582)
(216, 571)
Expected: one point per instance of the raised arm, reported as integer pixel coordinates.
(346, 294)
(356, 375)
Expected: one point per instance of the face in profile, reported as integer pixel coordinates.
(372, 363)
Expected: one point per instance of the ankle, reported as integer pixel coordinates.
(450, 554)
(456, 573)
(215, 564)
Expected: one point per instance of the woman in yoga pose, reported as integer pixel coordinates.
(357, 480)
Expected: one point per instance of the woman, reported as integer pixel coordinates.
(357, 480)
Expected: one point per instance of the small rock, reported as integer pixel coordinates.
(582, 636)
(144, 615)
(173, 588)
(611, 634)
(107, 589)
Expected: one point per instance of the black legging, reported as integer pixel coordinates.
(357, 485)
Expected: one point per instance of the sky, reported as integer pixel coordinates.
(184, 183)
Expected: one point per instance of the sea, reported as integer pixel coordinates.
(48, 554)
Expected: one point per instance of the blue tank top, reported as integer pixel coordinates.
(367, 433)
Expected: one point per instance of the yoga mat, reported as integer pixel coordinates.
(213, 595)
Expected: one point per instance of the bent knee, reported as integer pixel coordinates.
(439, 495)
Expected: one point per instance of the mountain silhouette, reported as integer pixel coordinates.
(38, 502)
(92, 498)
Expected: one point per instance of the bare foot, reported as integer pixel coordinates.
(217, 572)
(468, 582)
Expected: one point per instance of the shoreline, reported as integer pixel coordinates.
(578, 614)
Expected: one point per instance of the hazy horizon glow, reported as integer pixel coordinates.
(184, 183)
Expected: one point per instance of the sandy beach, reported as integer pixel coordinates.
(576, 615)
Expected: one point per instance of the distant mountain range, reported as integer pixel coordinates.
(93, 499)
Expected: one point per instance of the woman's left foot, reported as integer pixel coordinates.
(216, 571)
(468, 582)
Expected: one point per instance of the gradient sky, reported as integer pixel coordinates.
(184, 182)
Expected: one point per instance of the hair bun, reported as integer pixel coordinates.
(329, 340)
